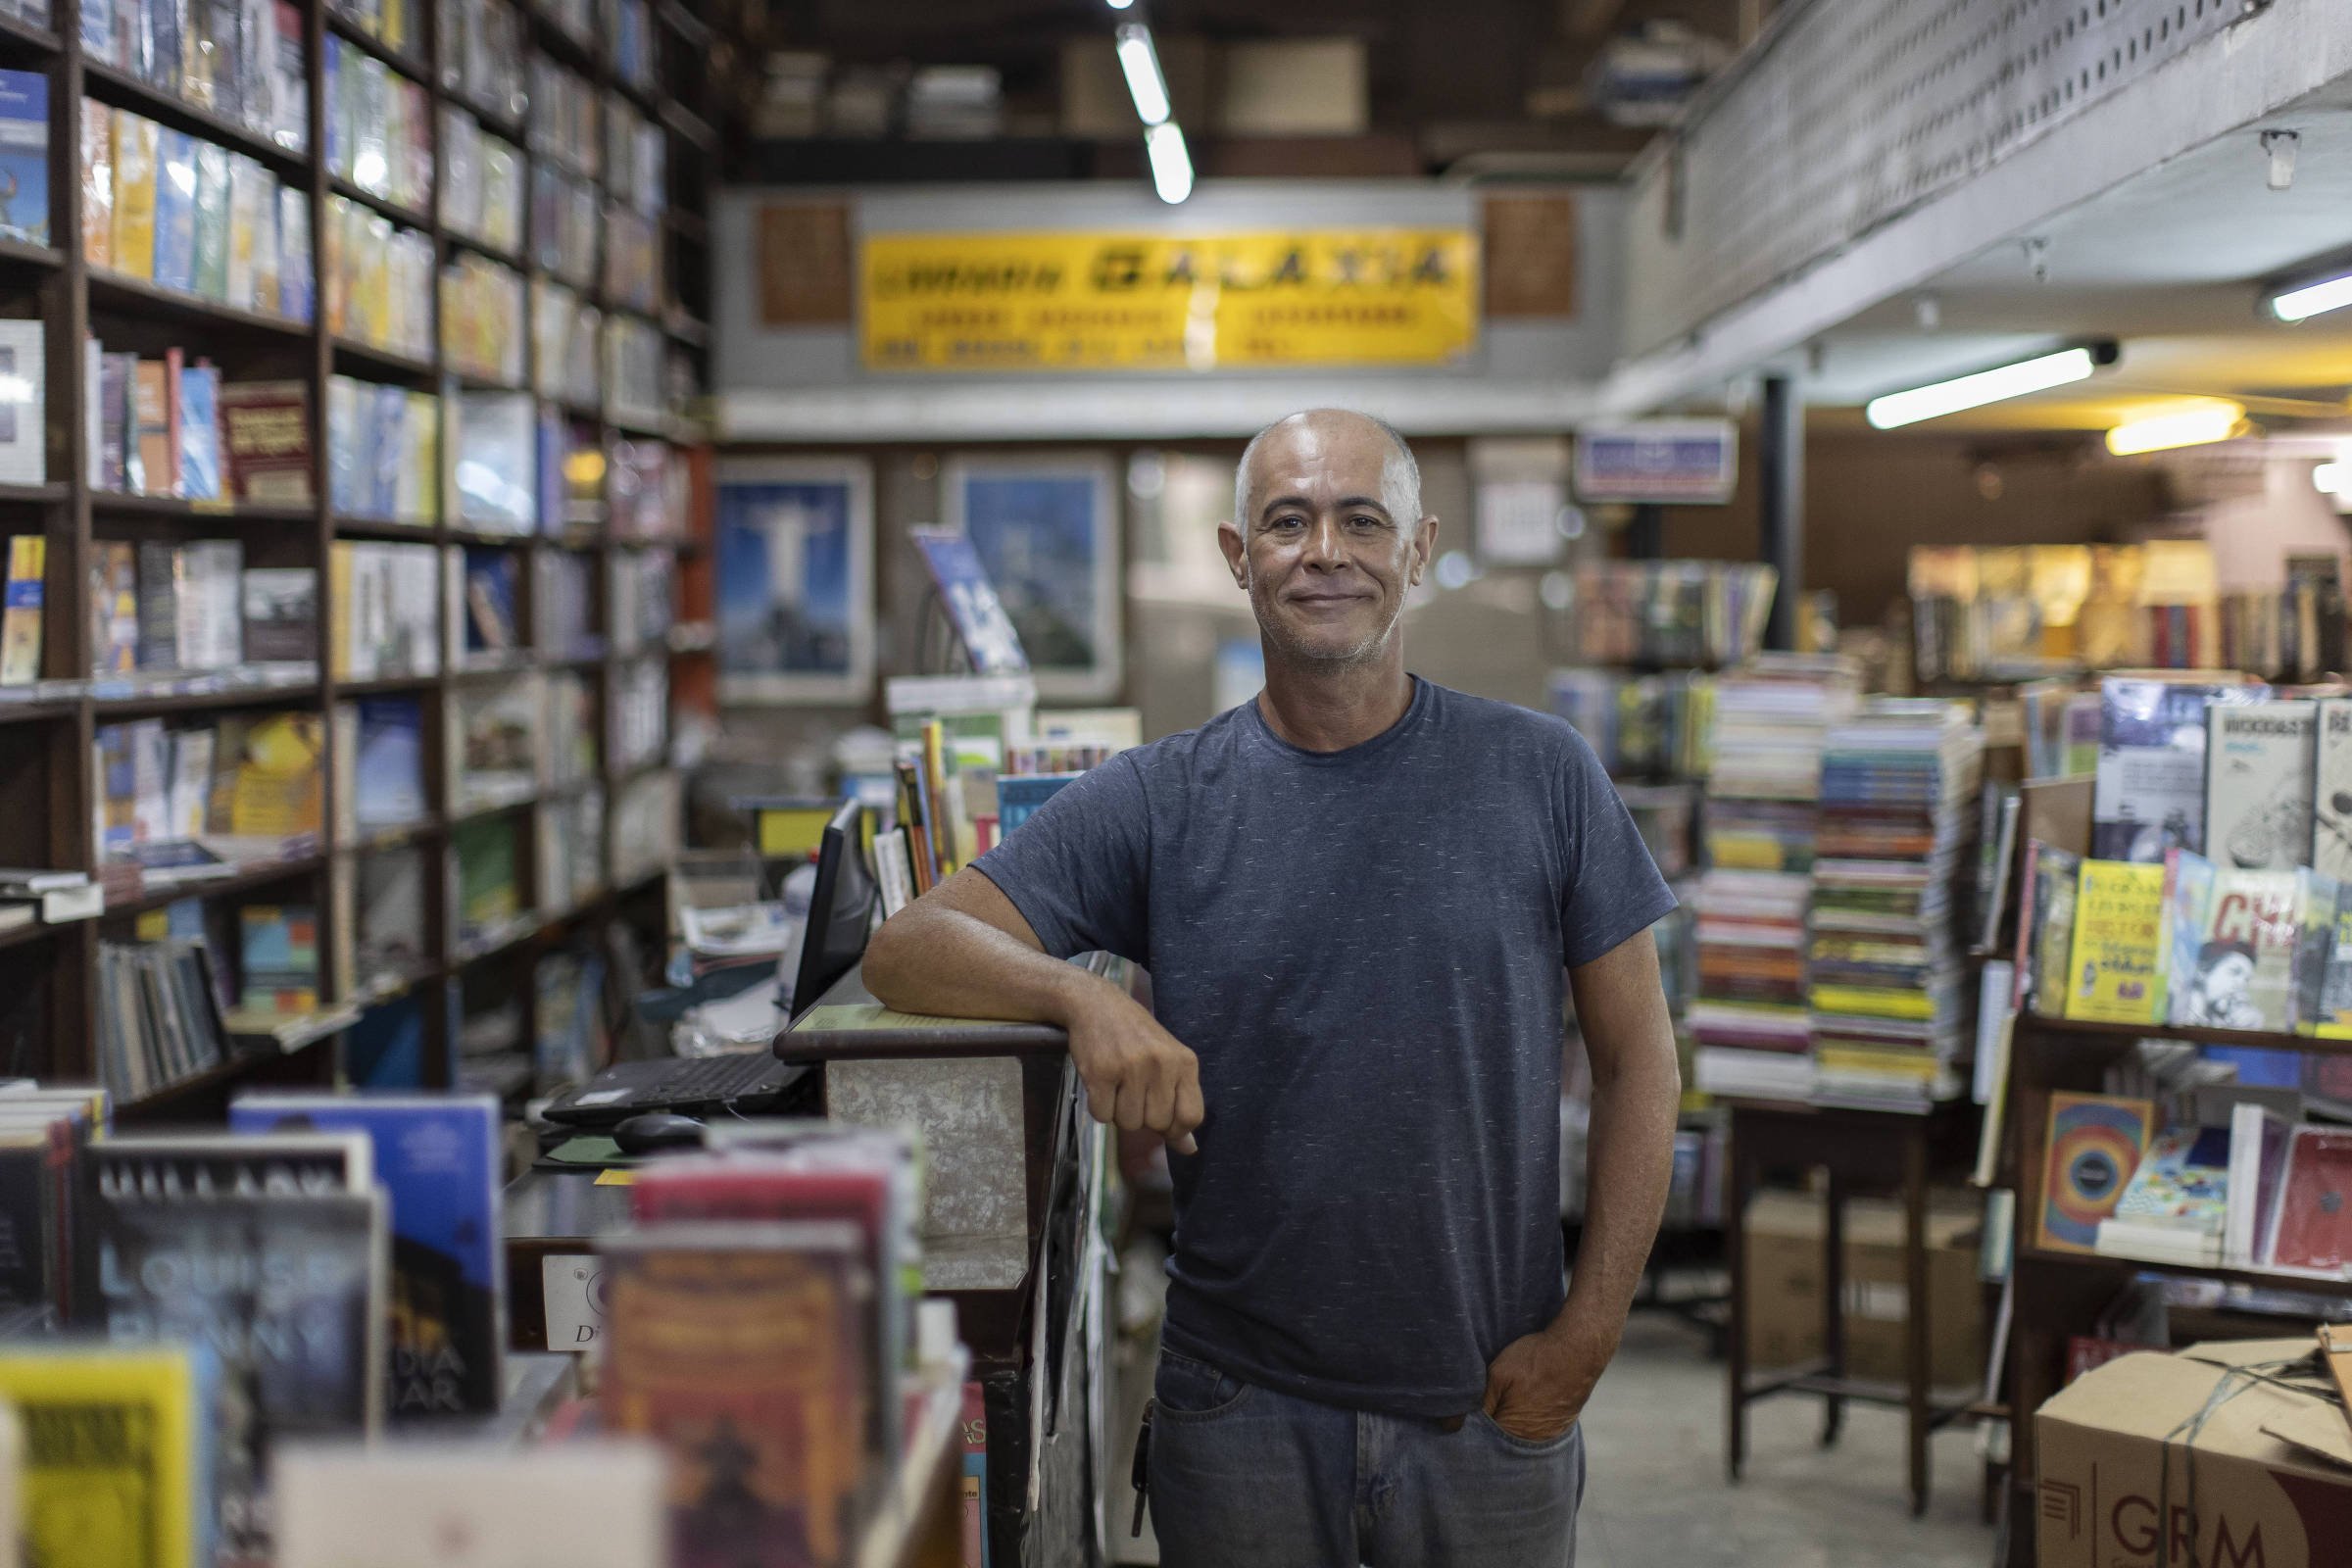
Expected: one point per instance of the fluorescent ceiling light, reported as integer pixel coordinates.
(1986, 386)
(2334, 479)
(1121, 5)
(2184, 427)
(1144, 83)
(2312, 299)
(1171, 164)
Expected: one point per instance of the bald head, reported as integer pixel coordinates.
(1400, 476)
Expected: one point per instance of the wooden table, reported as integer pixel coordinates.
(1862, 1150)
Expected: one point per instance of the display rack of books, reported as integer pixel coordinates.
(1883, 976)
(1772, 719)
(2015, 612)
(345, 465)
(2172, 1106)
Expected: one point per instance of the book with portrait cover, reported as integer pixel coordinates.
(438, 1158)
(2258, 785)
(2116, 971)
(289, 1289)
(2245, 964)
(118, 1449)
(2094, 1145)
(2150, 790)
(741, 1347)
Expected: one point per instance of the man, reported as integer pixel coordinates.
(1357, 897)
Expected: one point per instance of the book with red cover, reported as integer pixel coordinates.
(814, 1171)
(266, 435)
(2313, 1227)
(740, 1346)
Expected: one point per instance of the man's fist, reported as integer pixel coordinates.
(1138, 1076)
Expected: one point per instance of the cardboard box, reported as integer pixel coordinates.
(1785, 1286)
(2118, 1470)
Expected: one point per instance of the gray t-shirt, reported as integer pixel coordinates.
(1366, 949)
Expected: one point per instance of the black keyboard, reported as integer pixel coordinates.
(693, 1086)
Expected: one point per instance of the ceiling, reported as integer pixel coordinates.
(2173, 263)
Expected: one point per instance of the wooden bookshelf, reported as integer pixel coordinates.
(2058, 1294)
(48, 975)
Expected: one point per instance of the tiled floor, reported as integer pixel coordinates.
(1655, 1495)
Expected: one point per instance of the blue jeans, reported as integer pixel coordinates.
(1242, 1477)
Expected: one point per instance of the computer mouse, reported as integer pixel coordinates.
(654, 1131)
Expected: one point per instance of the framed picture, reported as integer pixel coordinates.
(1046, 527)
(795, 579)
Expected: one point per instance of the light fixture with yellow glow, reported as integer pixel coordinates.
(2186, 427)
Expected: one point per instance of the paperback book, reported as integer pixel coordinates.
(2093, 1148)
(118, 1452)
(2149, 793)
(2117, 969)
(2245, 965)
(2258, 784)
(438, 1158)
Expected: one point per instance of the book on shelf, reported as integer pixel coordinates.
(278, 959)
(437, 1157)
(383, 737)
(2046, 929)
(265, 432)
(385, 601)
(2311, 1223)
(271, 765)
(484, 883)
(570, 1044)
(2150, 790)
(78, 1402)
(281, 615)
(496, 471)
(490, 601)
(21, 611)
(2093, 1145)
(2258, 784)
(496, 751)
(584, 1503)
(2323, 959)
(23, 382)
(783, 1311)
(388, 925)
(176, 211)
(2175, 1203)
(289, 1288)
(25, 155)
(2257, 1143)
(158, 1018)
(2331, 849)
(199, 460)
(195, 1166)
(2245, 963)
(2116, 972)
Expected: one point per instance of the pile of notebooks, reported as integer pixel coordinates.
(1884, 973)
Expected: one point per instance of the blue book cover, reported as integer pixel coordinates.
(200, 432)
(491, 626)
(25, 155)
(295, 296)
(391, 761)
(437, 1157)
(176, 210)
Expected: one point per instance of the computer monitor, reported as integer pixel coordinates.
(840, 910)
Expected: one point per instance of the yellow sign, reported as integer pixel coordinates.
(1176, 301)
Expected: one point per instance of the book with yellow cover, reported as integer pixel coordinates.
(136, 138)
(97, 184)
(2118, 969)
(20, 619)
(116, 1454)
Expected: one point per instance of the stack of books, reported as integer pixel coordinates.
(1748, 1021)
(1884, 977)
(1751, 1021)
